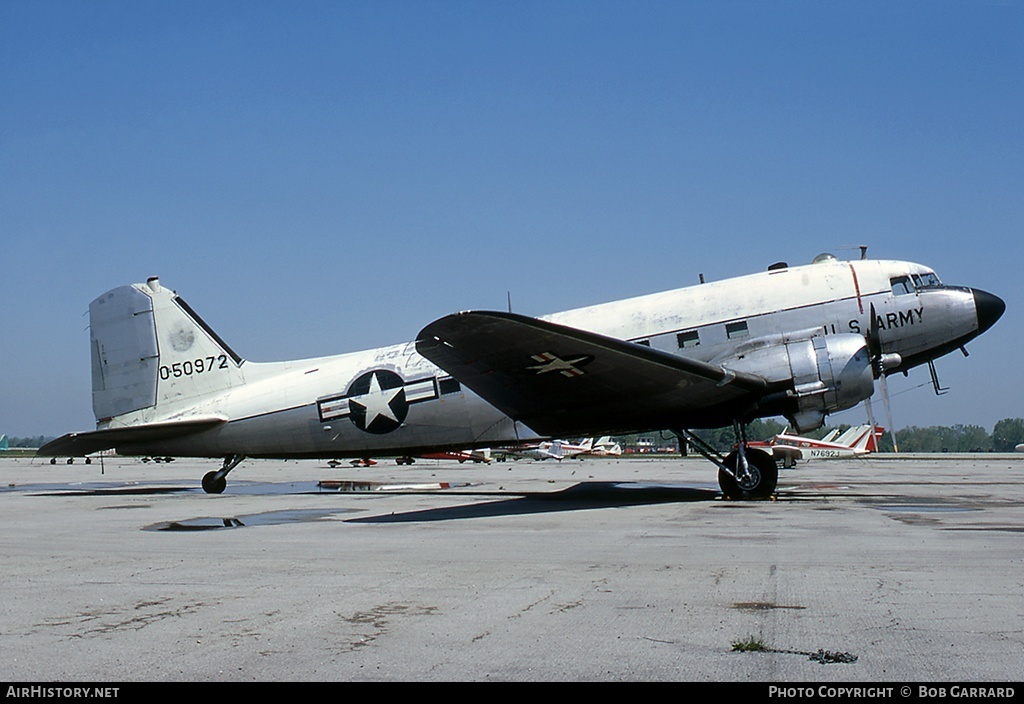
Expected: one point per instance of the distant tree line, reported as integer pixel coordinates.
(1005, 436)
(37, 441)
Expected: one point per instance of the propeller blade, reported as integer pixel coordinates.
(884, 388)
(874, 341)
(871, 415)
(880, 361)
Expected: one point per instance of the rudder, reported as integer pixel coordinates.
(150, 351)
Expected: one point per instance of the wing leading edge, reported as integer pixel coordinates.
(563, 381)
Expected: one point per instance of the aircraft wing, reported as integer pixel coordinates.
(84, 443)
(563, 381)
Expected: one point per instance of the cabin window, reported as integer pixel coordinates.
(690, 338)
(448, 385)
(735, 330)
(645, 343)
(901, 285)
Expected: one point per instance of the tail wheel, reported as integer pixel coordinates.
(212, 484)
(759, 481)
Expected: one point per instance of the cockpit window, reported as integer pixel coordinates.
(926, 280)
(914, 282)
(901, 285)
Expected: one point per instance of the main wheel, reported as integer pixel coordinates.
(214, 485)
(760, 481)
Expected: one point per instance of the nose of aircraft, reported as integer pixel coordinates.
(989, 309)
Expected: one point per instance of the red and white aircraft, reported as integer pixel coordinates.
(605, 447)
(855, 442)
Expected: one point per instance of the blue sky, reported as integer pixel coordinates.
(322, 177)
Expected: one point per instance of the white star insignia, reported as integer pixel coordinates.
(377, 401)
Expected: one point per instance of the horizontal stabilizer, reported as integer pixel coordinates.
(84, 443)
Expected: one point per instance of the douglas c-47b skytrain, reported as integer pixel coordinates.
(800, 342)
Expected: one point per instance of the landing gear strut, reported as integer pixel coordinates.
(216, 482)
(745, 473)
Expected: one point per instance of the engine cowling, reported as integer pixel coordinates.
(822, 374)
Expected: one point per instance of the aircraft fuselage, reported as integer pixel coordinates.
(393, 401)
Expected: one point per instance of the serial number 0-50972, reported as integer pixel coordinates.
(193, 366)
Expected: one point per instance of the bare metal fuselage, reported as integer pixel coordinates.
(392, 401)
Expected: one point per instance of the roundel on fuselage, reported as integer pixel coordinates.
(377, 403)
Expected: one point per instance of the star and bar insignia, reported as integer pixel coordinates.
(549, 362)
(378, 401)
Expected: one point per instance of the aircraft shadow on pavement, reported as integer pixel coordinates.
(105, 490)
(584, 496)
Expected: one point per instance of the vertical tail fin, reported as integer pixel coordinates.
(151, 354)
(866, 439)
(830, 437)
(846, 438)
(874, 436)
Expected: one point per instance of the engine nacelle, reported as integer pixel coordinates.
(823, 373)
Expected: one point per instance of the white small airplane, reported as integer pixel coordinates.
(855, 442)
(605, 447)
(551, 450)
(800, 342)
(563, 449)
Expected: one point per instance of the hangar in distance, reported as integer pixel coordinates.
(800, 342)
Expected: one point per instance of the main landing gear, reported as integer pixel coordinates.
(745, 473)
(216, 482)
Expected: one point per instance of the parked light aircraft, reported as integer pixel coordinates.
(563, 449)
(480, 456)
(855, 442)
(605, 447)
(548, 449)
(801, 342)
